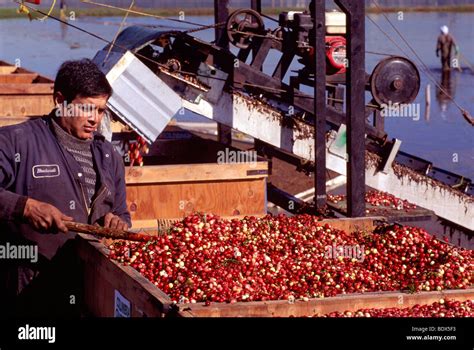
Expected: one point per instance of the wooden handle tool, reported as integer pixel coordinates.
(107, 232)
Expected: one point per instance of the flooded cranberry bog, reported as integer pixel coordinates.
(277, 266)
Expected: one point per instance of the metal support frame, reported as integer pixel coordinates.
(287, 201)
(221, 13)
(379, 121)
(256, 5)
(320, 104)
(355, 94)
(231, 108)
(260, 54)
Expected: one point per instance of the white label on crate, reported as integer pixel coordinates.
(122, 305)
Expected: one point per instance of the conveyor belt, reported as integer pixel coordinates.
(147, 100)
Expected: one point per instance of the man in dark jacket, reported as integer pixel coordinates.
(444, 46)
(57, 168)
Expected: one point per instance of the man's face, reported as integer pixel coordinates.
(82, 116)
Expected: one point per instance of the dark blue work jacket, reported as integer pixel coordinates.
(33, 164)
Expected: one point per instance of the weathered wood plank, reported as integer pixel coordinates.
(25, 105)
(174, 200)
(354, 224)
(26, 89)
(196, 172)
(7, 69)
(18, 78)
(348, 302)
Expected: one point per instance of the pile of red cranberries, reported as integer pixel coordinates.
(204, 258)
(378, 199)
(442, 308)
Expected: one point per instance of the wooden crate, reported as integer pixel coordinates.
(23, 93)
(173, 191)
(103, 278)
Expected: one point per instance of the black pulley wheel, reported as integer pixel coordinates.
(395, 80)
(241, 25)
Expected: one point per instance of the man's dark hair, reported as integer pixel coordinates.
(81, 78)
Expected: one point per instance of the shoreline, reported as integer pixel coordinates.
(7, 13)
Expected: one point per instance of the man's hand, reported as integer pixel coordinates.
(43, 216)
(115, 222)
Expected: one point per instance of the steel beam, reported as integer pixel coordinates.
(221, 13)
(319, 10)
(287, 201)
(260, 54)
(256, 5)
(355, 97)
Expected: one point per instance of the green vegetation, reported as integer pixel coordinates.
(8, 13)
(165, 12)
(105, 12)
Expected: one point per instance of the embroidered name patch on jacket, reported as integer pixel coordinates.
(47, 170)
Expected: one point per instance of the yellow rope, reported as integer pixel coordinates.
(22, 9)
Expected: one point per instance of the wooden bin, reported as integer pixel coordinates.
(107, 283)
(111, 289)
(174, 191)
(23, 94)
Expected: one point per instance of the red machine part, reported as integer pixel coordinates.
(336, 53)
(36, 2)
